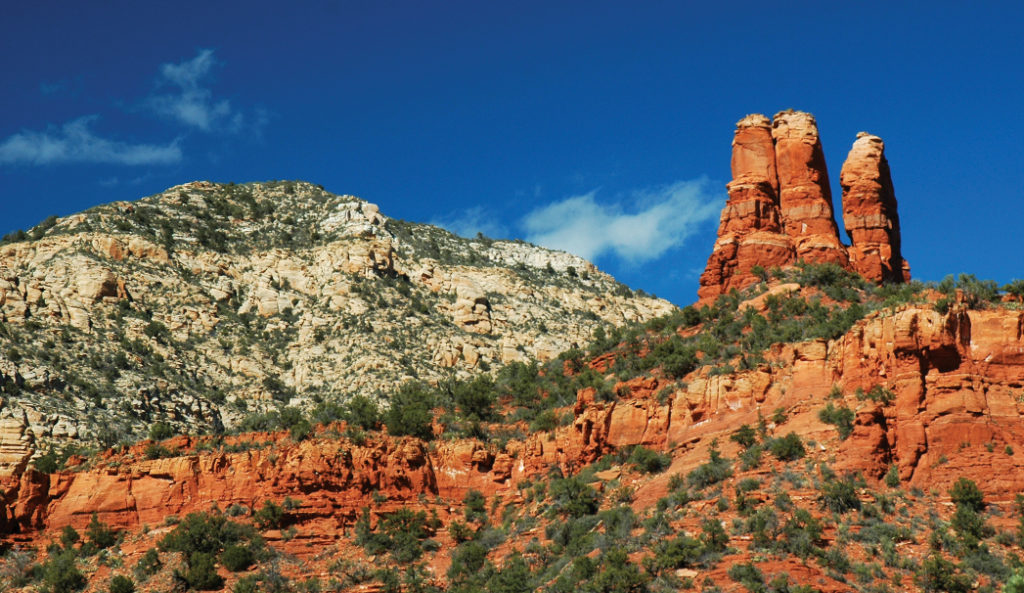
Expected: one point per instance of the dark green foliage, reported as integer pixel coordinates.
(680, 552)
(975, 293)
(744, 436)
(69, 537)
(573, 497)
(787, 448)
(148, 564)
(410, 412)
(841, 418)
(747, 575)
(200, 573)
(361, 411)
(467, 560)
(237, 558)
(713, 536)
(271, 516)
(100, 534)
(476, 507)
(839, 495)
(513, 577)
(648, 461)
(715, 470)
(892, 477)
(200, 537)
(801, 534)
(675, 357)
(60, 575)
(475, 399)
(617, 575)
(938, 575)
(965, 493)
(122, 584)
(159, 431)
(401, 533)
(155, 451)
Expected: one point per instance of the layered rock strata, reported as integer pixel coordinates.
(780, 207)
(869, 212)
(952, 409)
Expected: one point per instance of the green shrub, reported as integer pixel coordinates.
(208, 533)
(745, 436)
(787, 448)
(361, 411)
(715, 470)
(159, 431)
(892, 477)
(648, 461)
(840, 495)
(148, 565)
(410, 412)
(69, 537)
(271, 516)
(122, 584)
(100, 534)
(747, 575)
(573, 497)
(237, 558)
(200, 573)
(841, 418)
(939, 575)
(476, 507)
(60, 575)
(966, 493)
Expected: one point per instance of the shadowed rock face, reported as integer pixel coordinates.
(869, 212)
(780, 207)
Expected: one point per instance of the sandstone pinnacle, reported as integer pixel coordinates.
(869, 212)
(780, 209)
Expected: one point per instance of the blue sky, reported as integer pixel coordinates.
(599, 126)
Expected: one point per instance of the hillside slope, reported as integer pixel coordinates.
(207, 302)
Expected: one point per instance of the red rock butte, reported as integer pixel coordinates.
(780, 210)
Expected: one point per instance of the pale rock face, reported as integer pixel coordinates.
(16, 443)
(472, 310)
(339, 299)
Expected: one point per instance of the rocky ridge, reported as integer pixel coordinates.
(207, 301)
(780, 207)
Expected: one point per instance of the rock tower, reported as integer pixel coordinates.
(780, 206)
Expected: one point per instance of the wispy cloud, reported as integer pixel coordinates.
(75, 142)
(654, 221)
(191, 102)
(467, 223)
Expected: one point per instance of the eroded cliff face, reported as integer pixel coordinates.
(780, 207)
(955, 380)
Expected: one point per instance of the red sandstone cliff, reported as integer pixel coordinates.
(956, 379)
(780, 208)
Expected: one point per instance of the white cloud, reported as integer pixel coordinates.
(654, 221)
(193, 104)
(467, 223)
(75, 142)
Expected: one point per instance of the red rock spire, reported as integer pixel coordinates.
(869, 212)
(780, 210)
(805, 199)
